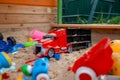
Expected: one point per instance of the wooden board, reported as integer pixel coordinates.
(87, 26)
(4, 8)
(19, 16)
(50, 3)
(14, 27)
(23, 18)
(34, 25)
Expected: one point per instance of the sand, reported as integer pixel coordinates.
(57, 69)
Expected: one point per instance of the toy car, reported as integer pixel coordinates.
(6, 46)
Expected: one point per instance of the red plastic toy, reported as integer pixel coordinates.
(96, 62)
(55, 42)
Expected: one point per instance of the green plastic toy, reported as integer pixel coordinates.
(28, 44)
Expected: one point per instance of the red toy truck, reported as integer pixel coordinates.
(55, 42)
(98, 61)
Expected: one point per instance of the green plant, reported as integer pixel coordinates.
(100, 19)
(114, 20)
(81, 20)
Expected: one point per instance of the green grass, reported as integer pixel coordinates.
(114, 20)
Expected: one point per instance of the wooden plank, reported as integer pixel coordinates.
(87, 26)
(50, 3)
(33, 25)
(21, 18)
(40, 26)
(24, 25)
(7, 8)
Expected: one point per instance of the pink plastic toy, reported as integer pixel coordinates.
(96, 62)
(37, 35)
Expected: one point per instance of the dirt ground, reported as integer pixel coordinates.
(57, 69)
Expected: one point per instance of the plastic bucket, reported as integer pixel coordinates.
(37, 35)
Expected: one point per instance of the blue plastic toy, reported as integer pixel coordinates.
(16, 48)
(37, 72)
(57, 56)
(5, 61)
(6, 46)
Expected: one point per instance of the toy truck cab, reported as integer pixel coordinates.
(55, 42)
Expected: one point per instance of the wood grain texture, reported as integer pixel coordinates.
(4, 8)
(22, 18)
(49, 3)
(18, 27)
(87, 26)
(25, 25)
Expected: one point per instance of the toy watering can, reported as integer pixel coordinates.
(5, 61)
(37, 35)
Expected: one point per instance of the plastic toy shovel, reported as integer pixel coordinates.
(16, 48)
(28, 44)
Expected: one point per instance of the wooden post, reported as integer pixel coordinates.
(59, 16)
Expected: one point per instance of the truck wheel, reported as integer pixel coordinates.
(1, 36)
(12, 40)
(85, 73)
(70, 49)
(51, 53)
(89, 44)
(42, 77)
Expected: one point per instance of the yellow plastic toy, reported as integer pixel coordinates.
(0, 77)
(115, 45)
(116, 65)
(7, 57)
(20, 77)
(30, 39)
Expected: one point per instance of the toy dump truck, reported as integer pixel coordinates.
(55, 42)
(96, 62)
